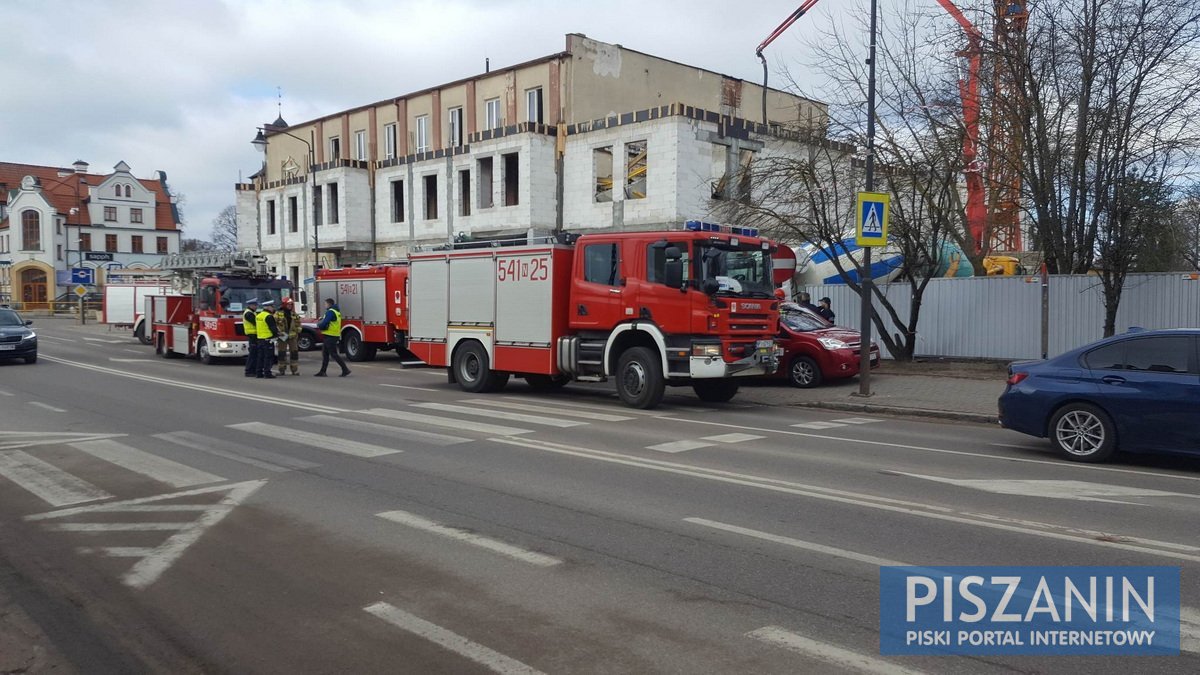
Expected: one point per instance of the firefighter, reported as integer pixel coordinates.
(250, 328)
(267, 332)
(331, 333)
(287, 322)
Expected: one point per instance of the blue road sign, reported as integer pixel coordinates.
(83, 275)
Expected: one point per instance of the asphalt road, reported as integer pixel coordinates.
(165, 516)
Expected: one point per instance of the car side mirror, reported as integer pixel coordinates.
(29, 322)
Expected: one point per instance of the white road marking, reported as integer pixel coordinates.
(421, 371)
(134, 351)
(427, 437)
(916, 509)
(11, 440)
(819, 425)
(47, 406)
(433, 420)
(797, 543)
(679, 446)
(1189, 630)
(831, 654)
(500, 414)
(586, 406)
(53, 337)
(270, 461)
(108, 342)
(732, 438)
(1052, 489)
(51, 484)
(857, 420)
(152, 466)
(117, 551)
(158, 560)
(515, 552)
(942, 451)
(129, 360)
(308, 406)
(117, 527)
(529, 407)
(401, 386)
(332, 443)
(6, 393)
(484, 656)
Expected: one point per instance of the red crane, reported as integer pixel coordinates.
(795, 16)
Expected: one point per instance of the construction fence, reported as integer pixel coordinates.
(1001, 317)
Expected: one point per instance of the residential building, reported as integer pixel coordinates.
(53, 219)
(597, 136)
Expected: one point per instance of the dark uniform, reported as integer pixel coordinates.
(250, 328)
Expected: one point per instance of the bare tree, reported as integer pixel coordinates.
(224, 229)
(192, 245)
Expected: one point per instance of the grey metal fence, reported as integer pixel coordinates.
(1001, 318)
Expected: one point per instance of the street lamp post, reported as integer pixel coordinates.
(260, 142)
(864, 363)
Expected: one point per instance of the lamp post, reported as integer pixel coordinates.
(864, 363)
(260, 143)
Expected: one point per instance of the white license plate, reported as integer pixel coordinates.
(7, 347)
(765, 344)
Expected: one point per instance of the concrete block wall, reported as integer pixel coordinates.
(246, 205)
(700, 163)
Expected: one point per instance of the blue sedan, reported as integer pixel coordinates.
(1137, 392)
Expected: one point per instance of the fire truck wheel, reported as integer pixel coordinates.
(306, 342)
(546, 382)
(640, 382)
(472, 369)
(140, 334)
(715, 391)
(203, 353)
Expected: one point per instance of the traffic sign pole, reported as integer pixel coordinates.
(866, 282)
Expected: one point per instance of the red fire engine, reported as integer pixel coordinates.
(206, 320)
(649, 309)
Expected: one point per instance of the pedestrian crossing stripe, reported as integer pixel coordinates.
(11, 440)
(153, 560)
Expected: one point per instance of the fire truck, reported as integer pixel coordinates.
(691, 307)
(205, 319)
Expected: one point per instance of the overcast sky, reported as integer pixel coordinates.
(180, 85)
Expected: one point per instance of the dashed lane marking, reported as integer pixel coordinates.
(401, 386)
(49, 483)
(151, 466)
(46, 406)
(679, 446)
(108, 342)
(831, 654)
(434, 420)
(857, 420)
(819, 425)
(797, 543)
(515, 552)
(6, 393)
(333, 443)
(500, 414)
(426, 437)
(732, 438)
(484, 656)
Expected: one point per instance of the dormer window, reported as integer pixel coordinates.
(128, 192)
(116, 190)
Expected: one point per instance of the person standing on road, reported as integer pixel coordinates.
(826, 311)
(330, 326)
(250, 328)
(288, 324)
(267, 332)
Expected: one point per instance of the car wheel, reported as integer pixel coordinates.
(31, 359)
(640, 382)
(305, 342)
(804, 372)
(472, 369)
(715, 391)
(1083, 433)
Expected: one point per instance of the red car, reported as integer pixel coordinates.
(815, 350)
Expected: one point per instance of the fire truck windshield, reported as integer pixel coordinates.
(744, 270)
(234, 298)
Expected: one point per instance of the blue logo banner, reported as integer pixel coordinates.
(1029, 610)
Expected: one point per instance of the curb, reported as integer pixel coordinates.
(979, 418)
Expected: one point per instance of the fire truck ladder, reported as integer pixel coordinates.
(244, 262)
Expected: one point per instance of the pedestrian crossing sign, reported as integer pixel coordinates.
(873, 210)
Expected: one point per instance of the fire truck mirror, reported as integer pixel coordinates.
(710, 286)
(673, 270)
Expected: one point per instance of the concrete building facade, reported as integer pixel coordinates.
(53, 219)
(597, 136)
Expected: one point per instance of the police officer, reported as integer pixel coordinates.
(250, 328)
(331, 333)
(265, 327)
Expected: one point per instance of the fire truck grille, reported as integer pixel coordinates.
(756, 323)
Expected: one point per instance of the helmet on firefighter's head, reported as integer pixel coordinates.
(288, 302)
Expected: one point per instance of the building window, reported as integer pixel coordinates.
(294, 274)
(294, 213)
(58, 250)
(116, 190)
(270, 216)
(162, 246)
(335, 149)
(533, 103)
(397, 201)
(431, 194)
(602, 167)
(456, 128)
(135, 244)
(464, 192)
(128, 193)
(512, 179)
(389, 141)
(492, 113)
(135, 215)
(110, 243)
(333, 203)
(31, 230)
(360, 145)
(601, 265)
(486, 199)
(635, 170)
(85, 241)
(110, 214)
(423, 133)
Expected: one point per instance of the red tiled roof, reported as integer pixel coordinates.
(62, 194)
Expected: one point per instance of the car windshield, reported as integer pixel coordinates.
(801, 322)
(738, 270)
(237, 297)
(10, 318)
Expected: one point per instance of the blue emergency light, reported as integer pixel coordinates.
(701, 226)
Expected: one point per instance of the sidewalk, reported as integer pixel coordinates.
(900, 390)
